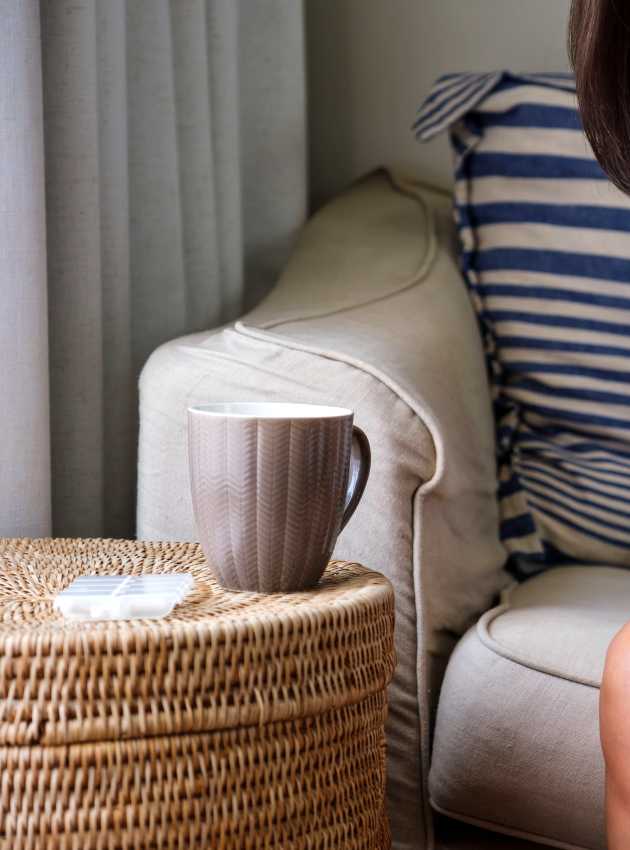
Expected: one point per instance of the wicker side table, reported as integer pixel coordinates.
(240, 721)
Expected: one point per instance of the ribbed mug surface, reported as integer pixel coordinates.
(270, 488)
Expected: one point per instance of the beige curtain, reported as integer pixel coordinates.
(169, 141)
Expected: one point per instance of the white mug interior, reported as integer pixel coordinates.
(270, 410)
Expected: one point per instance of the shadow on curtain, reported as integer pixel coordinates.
(174, 160)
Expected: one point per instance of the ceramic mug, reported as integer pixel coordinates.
(272, 485)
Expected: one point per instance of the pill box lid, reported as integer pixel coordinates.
(116, 597)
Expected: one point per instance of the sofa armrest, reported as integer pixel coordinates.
(371, 313)
(374, 282)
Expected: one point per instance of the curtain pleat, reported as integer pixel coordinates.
(273, 108)
(24, 440)
(175, 184)
(75, 294)
(159, 305)
(224, 57)
(201, 242)
(119, 374)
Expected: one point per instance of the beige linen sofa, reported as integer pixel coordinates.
(372, 313)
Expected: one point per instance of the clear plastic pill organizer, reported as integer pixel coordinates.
(123, 597)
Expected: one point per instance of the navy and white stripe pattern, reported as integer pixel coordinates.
(546, 253)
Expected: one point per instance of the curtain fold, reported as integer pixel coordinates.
(175, 182)
(24, 443)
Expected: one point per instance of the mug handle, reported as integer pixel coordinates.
(360, 461)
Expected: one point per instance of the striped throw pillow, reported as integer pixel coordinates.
(545, 242)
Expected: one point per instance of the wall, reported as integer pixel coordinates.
(370, 62)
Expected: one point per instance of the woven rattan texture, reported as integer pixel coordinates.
(314, 783)
(240, 721)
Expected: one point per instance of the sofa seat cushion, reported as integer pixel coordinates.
(516, 745)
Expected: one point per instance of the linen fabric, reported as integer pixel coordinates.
(517, 735)
(545, 241)
(25, 445)
(165, 141)
(376, 319)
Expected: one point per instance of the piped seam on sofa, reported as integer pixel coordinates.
(483, 633)
(422, 678)
(423, 413)
(424, 416)
(419, 493)
(425, 265)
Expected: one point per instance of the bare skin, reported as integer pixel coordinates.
(615, 735)
(599, 47)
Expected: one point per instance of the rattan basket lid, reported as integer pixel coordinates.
(221, 660)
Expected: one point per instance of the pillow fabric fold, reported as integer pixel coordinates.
(545, 251)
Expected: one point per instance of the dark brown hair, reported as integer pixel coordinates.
(599, 47)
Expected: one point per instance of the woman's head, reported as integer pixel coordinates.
(599, 46)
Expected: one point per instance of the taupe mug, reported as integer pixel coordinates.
(272, 485)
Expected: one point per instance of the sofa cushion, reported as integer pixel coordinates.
(516, 744)
(546, 253)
